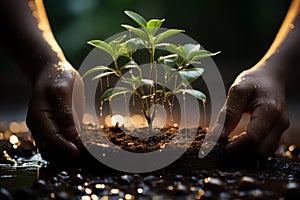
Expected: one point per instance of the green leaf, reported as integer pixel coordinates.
(194, 62)
(133, 44)
(179, 50)
(182, 52)
(199, 95)
(169, 60)
(137, 18)
(162, 44)
(104, 74)
(191, 48)
(146, 82)
(139, 32)
(96, 69)
(197, 55)
(114, 44)
(134, 41)
(190, 75)
(154, 24)
(101, 45)
(132, 81)
(171, 48)
(122, 50)
(138, 82)
(130, 65)
(112, 92)
(119, 39)
(164, 35)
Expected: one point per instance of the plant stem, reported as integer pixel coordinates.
(184, 109)
(117, 67)
(204, 114)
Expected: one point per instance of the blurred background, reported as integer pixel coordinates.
(242, 30)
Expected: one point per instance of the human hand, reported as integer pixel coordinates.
(51, 117)
(259, 92)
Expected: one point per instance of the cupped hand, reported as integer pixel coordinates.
(53, 118)
(260, 93)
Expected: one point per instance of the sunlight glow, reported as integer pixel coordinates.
(13, 139)
(117, 119)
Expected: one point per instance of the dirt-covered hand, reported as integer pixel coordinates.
(260, 93)
(51, 118)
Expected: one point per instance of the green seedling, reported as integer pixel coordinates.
(178, 66)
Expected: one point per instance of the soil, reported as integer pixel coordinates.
(122, 138)
(25, 175)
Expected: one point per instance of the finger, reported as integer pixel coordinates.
(54, 142)
(65, 116)
(54, 139)
(251, 145)
(271, 141)
(260, 125)
(268, 146)
(37, 139)
(231, 113)
(243, 143)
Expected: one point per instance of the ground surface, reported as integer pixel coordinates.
(25, 175)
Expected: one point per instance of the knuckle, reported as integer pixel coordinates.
(279, 113)
(59, 89)
(66, 108)
(229, 114)
(238, 90)
(274, 108)
(66, 111)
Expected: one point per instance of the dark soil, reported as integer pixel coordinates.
(27, 176)
(121, 139)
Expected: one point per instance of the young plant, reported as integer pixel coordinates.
(143, 85)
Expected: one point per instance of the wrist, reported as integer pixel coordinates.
(276, 65)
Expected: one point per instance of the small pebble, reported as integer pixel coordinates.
(63, 175)
(62, 195)
(77, 179)
(193, 180)
(178, 177)
(248, 183)
(126, 180)
(257, 194)
(292, 191)
(40, 184)
(181, 190)
(213, 184)
(152, 181)
(292, 185)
